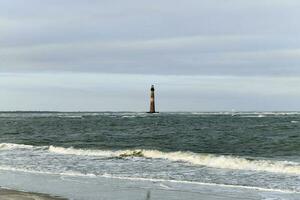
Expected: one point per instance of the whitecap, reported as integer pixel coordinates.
(81, 152)
(10, 146)
(208, 160)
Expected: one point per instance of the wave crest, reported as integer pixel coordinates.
(228, 162)
(208, 160)
(81, 152)
(10, 146)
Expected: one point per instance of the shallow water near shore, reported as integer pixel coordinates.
(95, 188)
(239, 151)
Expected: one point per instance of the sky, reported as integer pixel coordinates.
(101, 55)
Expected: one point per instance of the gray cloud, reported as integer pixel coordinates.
(104, 55)
(211, 55)
(170, 37)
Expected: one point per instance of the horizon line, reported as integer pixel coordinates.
(124, 111)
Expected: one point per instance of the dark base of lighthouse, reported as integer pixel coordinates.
(152, 112)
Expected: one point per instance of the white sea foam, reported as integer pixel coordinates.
(81, 152)
(252, 116)
(199, 183)
(129, 116)
(10, 146)
(239, 113)
(70, 116)
(67, 173)
(227, 162)
(209, 160)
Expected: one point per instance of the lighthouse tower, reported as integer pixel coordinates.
(152, 100)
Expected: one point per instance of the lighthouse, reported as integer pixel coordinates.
(152, 100)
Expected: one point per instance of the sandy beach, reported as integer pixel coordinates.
(97, 188)
(6, 194)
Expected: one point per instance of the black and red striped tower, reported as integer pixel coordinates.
(152, 100)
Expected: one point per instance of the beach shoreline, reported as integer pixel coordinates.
(62, 187)
(9, 194)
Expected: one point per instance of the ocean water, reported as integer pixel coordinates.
(250, 150)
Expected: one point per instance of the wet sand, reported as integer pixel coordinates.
(6, 194)
(104, 188)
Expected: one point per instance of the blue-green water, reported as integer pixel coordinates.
(244, 149)
(242, 135)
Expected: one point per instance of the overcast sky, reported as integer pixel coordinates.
(100, 55)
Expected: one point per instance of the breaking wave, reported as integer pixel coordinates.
(82, 152)
(10, 146)
(207, 160)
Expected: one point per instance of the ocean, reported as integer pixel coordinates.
(255, 150)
